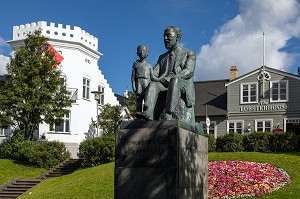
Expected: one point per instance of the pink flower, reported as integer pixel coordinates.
(230, 179)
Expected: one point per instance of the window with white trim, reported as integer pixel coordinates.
(279, 91)
(101, 95)
(235, 126)
(86, 88)
(63, 78)
(64, 126)
(2, 132)
(264, 125)
(249, 93)
(212, 127)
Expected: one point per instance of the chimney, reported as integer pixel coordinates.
(125, 93)
(233, 72)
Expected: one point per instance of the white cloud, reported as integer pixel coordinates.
(3, 61)
(240, 41)
(2, 42)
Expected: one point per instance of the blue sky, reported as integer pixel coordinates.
(221, 32)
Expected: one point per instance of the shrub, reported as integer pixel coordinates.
(38, 154)
(231, 142)
(211, 142)
(257, 141)
(98, 150)
(49, 154)
(284, 142)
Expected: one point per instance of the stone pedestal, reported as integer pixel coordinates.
(160, 160)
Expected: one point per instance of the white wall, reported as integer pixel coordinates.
(80, 52)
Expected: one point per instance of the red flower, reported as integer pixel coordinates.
(230, 179)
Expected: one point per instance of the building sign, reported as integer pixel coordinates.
(261, 108)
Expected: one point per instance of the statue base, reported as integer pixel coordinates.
(160, 160)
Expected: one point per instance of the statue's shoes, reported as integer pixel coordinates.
(168, 117)
(142, 115)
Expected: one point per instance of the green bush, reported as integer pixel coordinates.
(98, 150)
(231, 142)
(284, 142)
(211, 142)
(38, 154)
(257, 141)
(49, 154)
(5, 150)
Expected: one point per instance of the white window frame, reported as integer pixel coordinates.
(101, 100)
(86, 88)
(64, 77)
(235, 125)
(66, 121)
(214, 127)
(278, 88)
(287, 120)
(264, 124)
(2, 132)
(249, 93)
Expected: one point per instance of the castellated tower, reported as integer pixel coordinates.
(81, 70)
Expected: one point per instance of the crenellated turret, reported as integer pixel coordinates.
(57, 31)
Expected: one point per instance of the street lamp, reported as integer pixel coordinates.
(97, 98)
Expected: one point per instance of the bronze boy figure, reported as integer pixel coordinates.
(141, 72)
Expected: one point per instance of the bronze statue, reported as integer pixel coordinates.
(140, 78)
(171, 93)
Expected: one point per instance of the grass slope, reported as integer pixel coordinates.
(91, 183)
(97, 182)
(10, 170)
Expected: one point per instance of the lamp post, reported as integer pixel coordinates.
(97, 97)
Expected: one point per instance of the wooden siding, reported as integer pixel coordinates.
(276, 111)
(221, 123)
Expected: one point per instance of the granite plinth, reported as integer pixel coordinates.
(160, 160)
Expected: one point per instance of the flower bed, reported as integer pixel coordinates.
(236, 179)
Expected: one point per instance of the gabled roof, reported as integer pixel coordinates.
(2, 78)
(120, 99)
(272, 70)
(214, 94)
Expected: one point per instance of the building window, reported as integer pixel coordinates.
(235, 126)
(101, 95)
(279, 91)
(263, 125)
(64, 126)
(249, 93)
(86, 88)
(2, 132)
(212, 127)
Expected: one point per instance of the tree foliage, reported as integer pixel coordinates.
(34, 90)
(130, 102)
(110, 118)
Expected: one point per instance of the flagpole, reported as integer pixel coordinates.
(206, 119)
(263, 67)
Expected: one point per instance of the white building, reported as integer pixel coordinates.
(81, 70)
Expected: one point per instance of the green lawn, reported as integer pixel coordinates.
(10, 170)
(97, 182)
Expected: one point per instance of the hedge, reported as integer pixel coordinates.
(256, 141)
(38, 154)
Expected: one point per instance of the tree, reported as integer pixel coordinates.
(131, 103)
(110, 118)
(34, 90)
